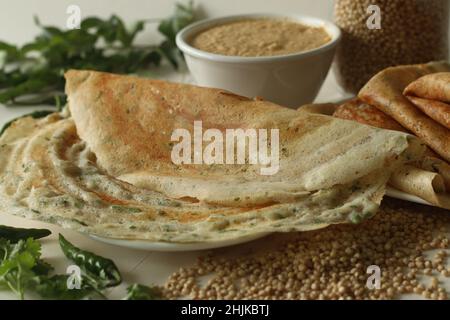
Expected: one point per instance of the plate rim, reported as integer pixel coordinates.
(178, 247)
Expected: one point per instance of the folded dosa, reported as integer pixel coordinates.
(385, 91)
(319, 108)
(435, 86)
(105, 168)
(127, 122)
(436, 110)
(361, 112)
(431, 94)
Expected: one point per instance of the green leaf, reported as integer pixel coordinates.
(183, 16)
(16, 264)
(9, 48)
(15, 234)
(56, 287)
(91, 22)
(170, 52)
(36, 70)
(141, 292)
(102, 272)
(42, 268)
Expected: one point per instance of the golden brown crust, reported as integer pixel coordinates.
(436, 110)
(127, 122)
(385, 91)
(364, 113)
(434, 86)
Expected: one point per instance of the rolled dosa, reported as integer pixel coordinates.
(439, 166)
(427, 185)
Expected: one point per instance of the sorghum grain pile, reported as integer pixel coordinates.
(412, 31)
(407, 242)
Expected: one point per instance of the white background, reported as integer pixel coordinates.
(16, 25)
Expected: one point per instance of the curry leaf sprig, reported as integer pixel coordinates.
(22, 269)
(34, 73)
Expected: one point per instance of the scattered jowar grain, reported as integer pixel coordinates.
(332, 263)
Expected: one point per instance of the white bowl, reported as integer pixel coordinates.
(290, 80)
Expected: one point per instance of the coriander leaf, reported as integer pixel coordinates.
(16, 264)
(55, 287)
(42, 268)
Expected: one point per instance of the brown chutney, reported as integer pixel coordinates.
(260, 37)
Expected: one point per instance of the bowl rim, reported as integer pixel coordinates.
(183, 36)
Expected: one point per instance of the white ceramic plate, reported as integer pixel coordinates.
(176, 247)
(394, 193)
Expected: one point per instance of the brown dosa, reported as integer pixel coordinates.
(427, 185)
(128, 122)
(438, 166)
(436, 110)
(435, 86)
(364, 113)
(428, 179)
(385, 91)
(319, 108)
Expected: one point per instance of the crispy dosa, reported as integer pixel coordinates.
(436, 110)
(104, 168)
(435, 86)
(438, 166)
(427, 185)
(319, 108)
(128, 121)
(431, 94)
(361, 112)
(428, 178)
(385, 91)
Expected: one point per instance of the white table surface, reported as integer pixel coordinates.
(136, 266)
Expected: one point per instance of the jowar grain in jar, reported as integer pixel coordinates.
(381, 33)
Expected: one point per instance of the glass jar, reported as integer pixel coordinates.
(377, 34)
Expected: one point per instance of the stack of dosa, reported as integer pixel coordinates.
(388, 101)
(431, 94)
(385, 91)
(106, 167)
